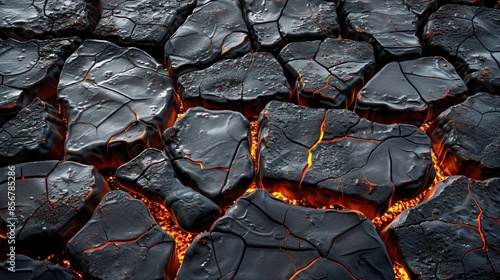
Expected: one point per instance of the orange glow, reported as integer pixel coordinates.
(400, 272)
(309, 151)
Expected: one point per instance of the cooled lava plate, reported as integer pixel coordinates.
(27, 268)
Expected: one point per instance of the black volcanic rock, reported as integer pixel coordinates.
(245, 84)
(122, 241)
(53, 201)
(210, 151)
(454, 234)
(332, 157)
(215, 30)
(143, 22)
(30, 69)
(36, 133)
(328, 73)
(27, 268)
(466, 138)
(413, 92)
(261, 237)
(467, 36)
(26, 19)
(117, 101)
(151, 174)
(388, 24)
(275, 23)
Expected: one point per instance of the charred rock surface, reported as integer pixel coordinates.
(275, 23)
(261, 237)
(27, 19)
(151, 174)
(328, 73)
(117, 102)
(332, 157)
(53, 199)
(453, 234)
(141, 23)
(210, 151)
(466, 138)
(413, 92)
(246, 84)
(388, 24)
(36, 133)
(30, 69)
(467, 36)
(27, 268)
(214, 31)
(122, 241)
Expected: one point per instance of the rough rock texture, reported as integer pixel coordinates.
(26, 19)
(246, 84)
(210, 151)
(414, 92)
(143, 22)
(30, 69)
(53, 200)
(468, 37)
(386, 23)
(328, 73)
(332, 157)
(36, 133)
(27, 268)
(117, 101)
(215, 30)
(466, 137)
(452, 235)
(151, 174)
(275, 23)
(261, 237)
(122, 241)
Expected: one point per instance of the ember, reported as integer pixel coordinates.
(249, 139)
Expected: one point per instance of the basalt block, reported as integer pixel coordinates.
(53, 201)
(413, 92)
(214, 31)
(467, 36)
(122, 241)
(27, 19)
(452, 234)
(275, 23)
(210, 151)
(333, 157)
(466, 138)
(151, 174)
(116, 100)
(36, 133)
(328, 73)
(261, 237)
(244, 84)
(27, 268)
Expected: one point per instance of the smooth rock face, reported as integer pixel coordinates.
(413, 92)
(117, 101)
(30, 69)
(453, 234)
(261, 237)
(328, 73)
(468, 37)
(143, 22)
(332, 157)
(26, 19)
(466, 137)
(215, 30)
(210, 150)
(122, 241)
(275, 23)
(151, 174)
(36, 133)
(246, 84)
(53, 199)
(27, 268)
